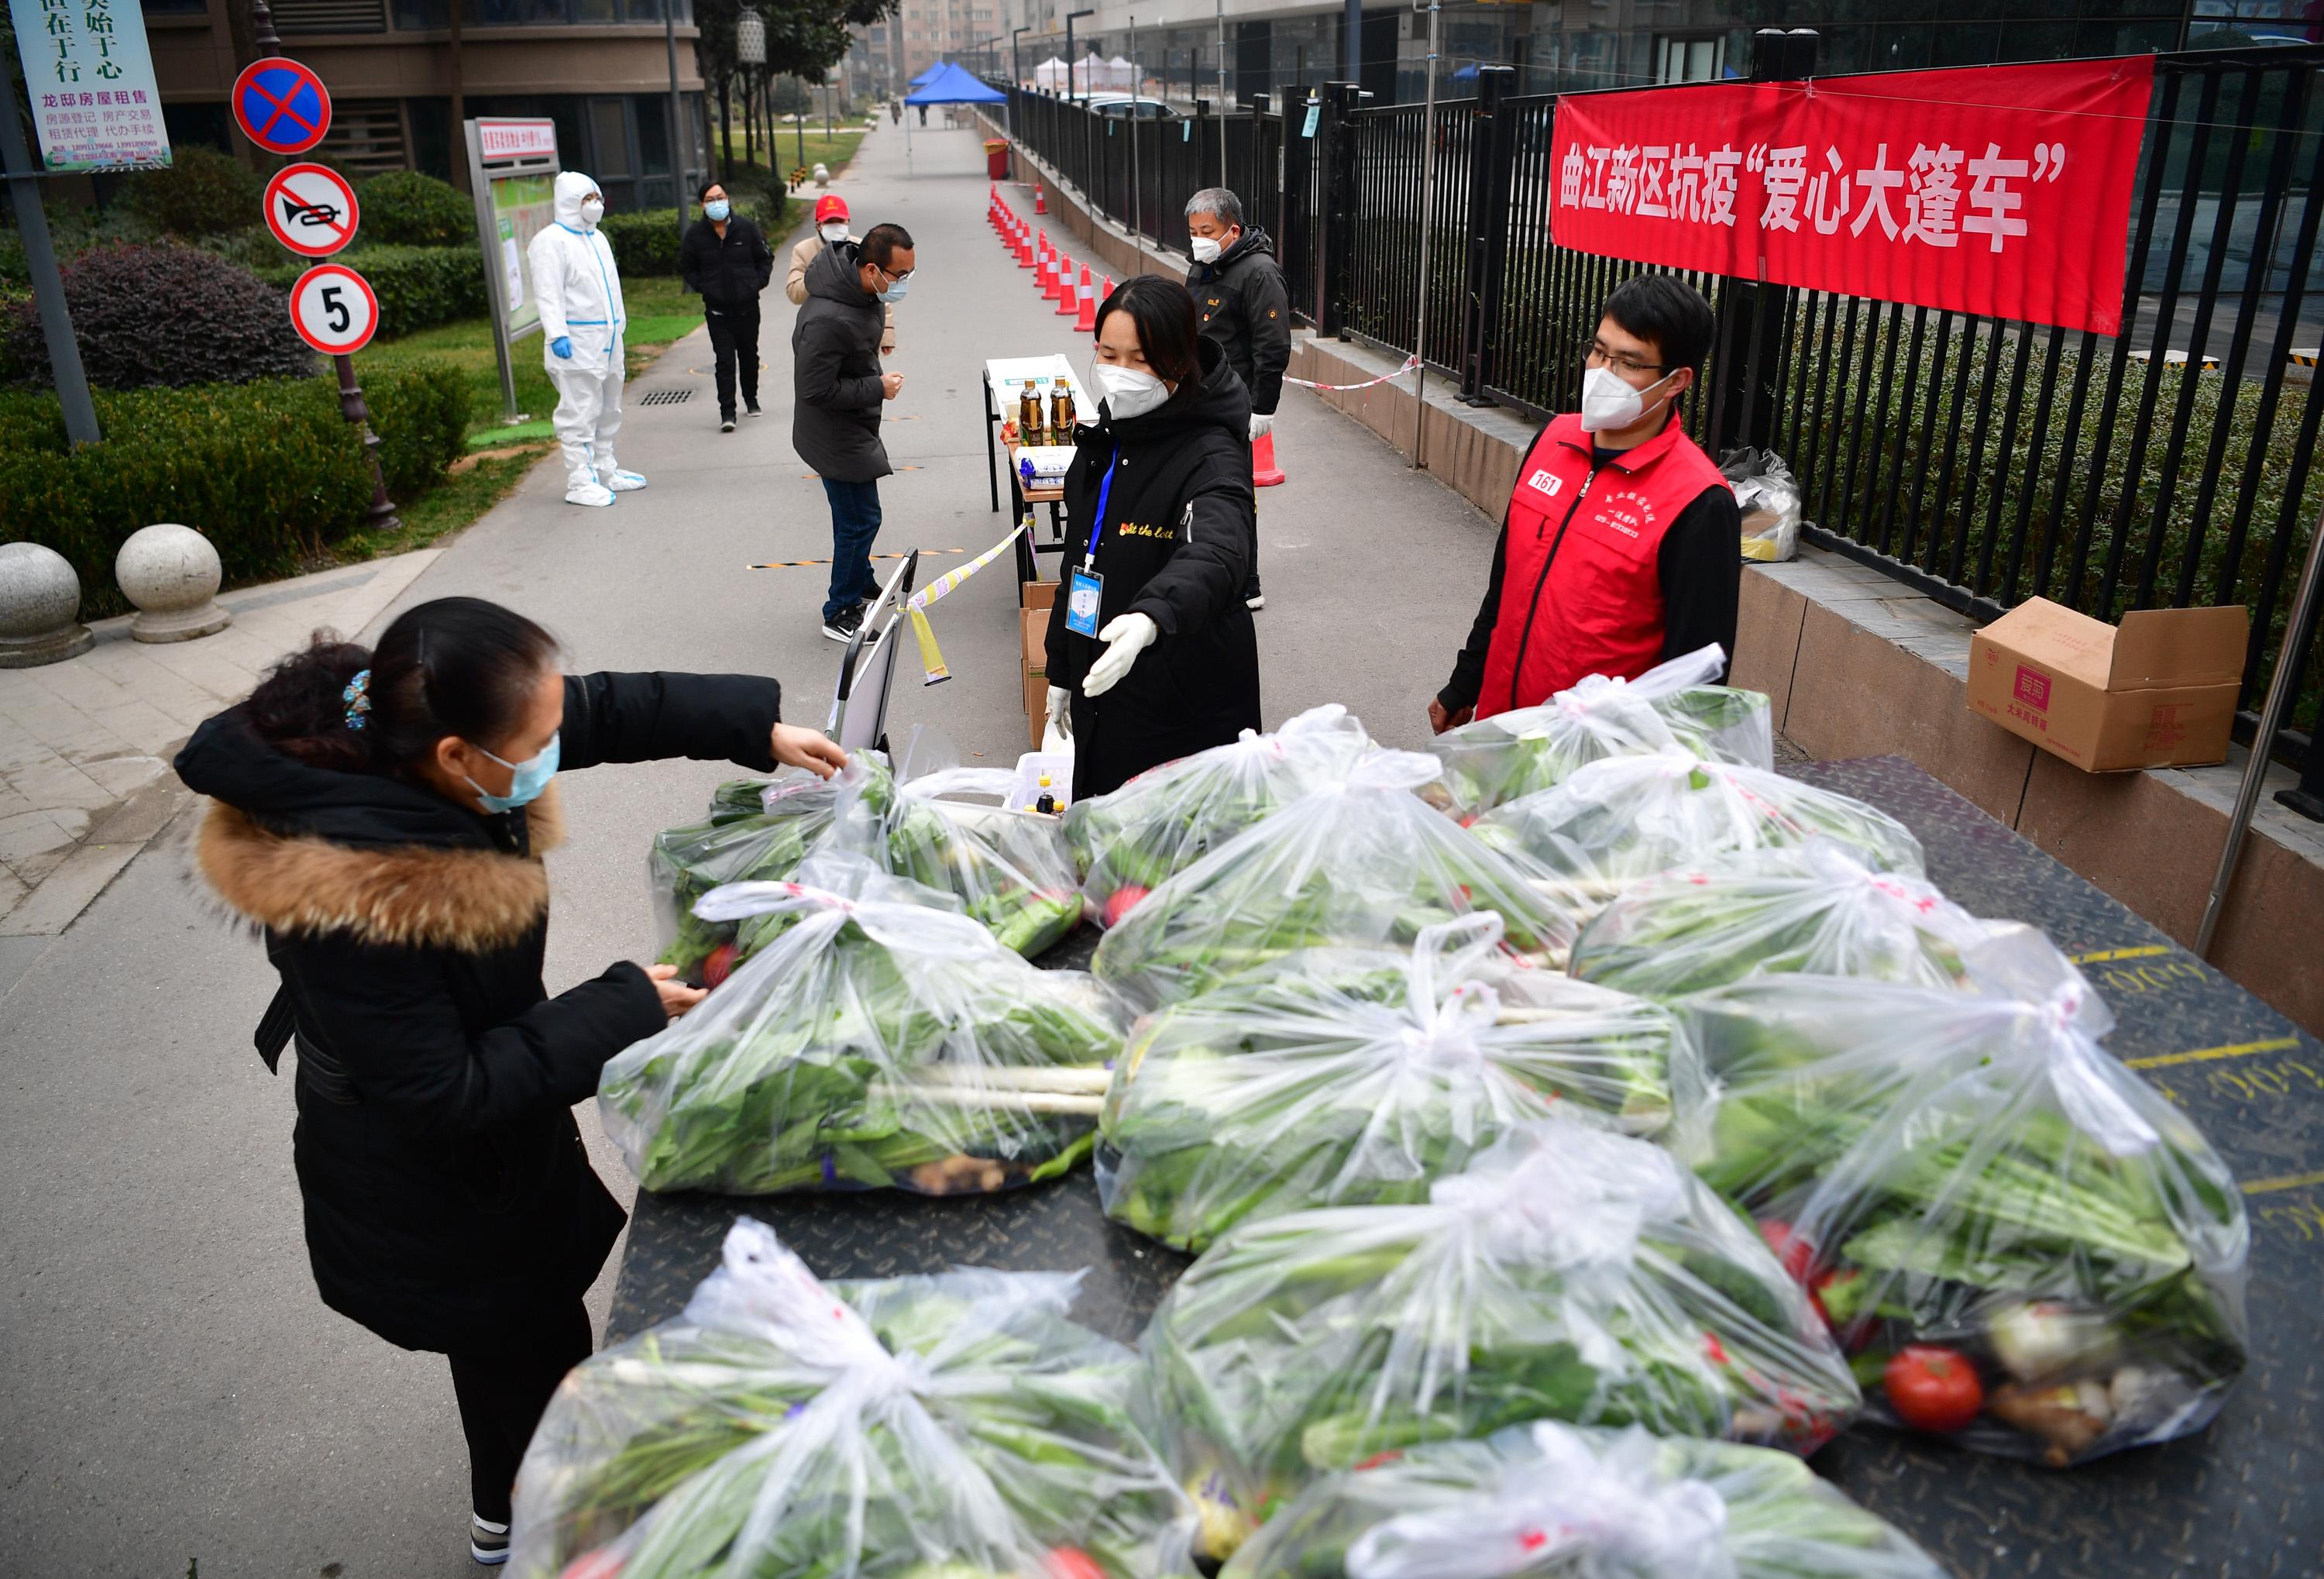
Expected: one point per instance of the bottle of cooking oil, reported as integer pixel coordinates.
(1061, 413)
(1029, 416)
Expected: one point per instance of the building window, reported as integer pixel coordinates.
(1689, 59)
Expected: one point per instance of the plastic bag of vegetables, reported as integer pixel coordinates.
(1617, 822)
(1010, 868)
(1358, 861)
(1554, 1502)
(1813, 908)
(758, 831)
(2032, 1252)
(953, 1426)
(1168, 818)
(1345, 1077)
(1497, 759)
(875, 1041)
(1569, 1274)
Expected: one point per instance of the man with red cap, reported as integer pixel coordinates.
(830, 226)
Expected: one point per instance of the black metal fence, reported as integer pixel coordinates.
(1980, 461)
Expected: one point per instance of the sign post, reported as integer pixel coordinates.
(512, 175)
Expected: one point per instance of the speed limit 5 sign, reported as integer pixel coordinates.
(333, 308)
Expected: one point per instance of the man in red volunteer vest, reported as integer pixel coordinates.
(1621, 546)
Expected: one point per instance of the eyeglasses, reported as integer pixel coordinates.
(898, 279)
(1594, 354)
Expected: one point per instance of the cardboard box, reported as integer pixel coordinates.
(1033, 637)
(2158, 692)
(1037, 594)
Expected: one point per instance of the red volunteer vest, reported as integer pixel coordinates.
(1581, 586)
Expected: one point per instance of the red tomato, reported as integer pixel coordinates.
(1120, 902)
(1932, 1389)
(1796, 1254)
(719, 965)
(1071, 1562)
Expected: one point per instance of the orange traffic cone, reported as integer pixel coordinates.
(1088, 294)
(1040, 200)
(1053, 286)
(1069, 296)
(1024, 241)
(1264, 472)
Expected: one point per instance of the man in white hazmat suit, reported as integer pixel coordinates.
(579, 293)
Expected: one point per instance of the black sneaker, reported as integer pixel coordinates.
(725, 424)
(753, 408)
(488, 1543)
(843, 625)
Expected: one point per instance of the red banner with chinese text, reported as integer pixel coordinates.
(1999, 190)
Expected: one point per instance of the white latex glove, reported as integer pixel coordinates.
(1260, 427)
(1061, 717)
(1125, 638)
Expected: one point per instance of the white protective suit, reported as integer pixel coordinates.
(579, 292)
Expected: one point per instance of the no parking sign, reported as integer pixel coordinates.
(281, 105)
(311, 209)
(333, 308)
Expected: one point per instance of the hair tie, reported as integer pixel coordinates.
(357, 697)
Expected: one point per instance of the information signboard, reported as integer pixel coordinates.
(89, 76)
(513, 172)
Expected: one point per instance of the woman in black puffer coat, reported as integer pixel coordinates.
(1171, 665)
(382, 815)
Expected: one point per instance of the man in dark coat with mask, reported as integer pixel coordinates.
(1238, 292)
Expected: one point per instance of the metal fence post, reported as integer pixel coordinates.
(1336, 252)
(1747, 348)
(1486, 241)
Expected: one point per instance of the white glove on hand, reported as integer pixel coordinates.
(1260, 427)
(1061, 717)
(1125, 638)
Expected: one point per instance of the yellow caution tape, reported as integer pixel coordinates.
(932, 663)
(936, 590)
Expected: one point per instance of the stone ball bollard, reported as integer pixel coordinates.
(171, 573)
(823, 175)
(40, 607)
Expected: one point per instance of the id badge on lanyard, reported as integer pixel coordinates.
(1085, 590)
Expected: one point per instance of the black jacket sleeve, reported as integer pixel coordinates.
(651, 717)
(689, 258)
(763, 256)
(1267, 313)
(1701, 565)
(392, 1019)
(823, 347)
(1212, 563)
(1469, 668)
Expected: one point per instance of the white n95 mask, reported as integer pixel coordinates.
(592, 210)
(1203, 249)
(1126, 391)
(834, 232)
(1609, 403)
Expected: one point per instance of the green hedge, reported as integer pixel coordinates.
(268, 472)
(418, 287)
(404, 207)
(642, 244)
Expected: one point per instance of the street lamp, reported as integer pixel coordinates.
(1070, 62)
(751, 54)
(1015, 61)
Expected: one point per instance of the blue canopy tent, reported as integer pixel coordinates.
(932, 72)
(948, 85)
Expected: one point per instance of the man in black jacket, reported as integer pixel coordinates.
(839, 388)
(1238, 289)
(726, 258)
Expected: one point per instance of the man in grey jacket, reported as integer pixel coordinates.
(1238, 290)
(838, 390)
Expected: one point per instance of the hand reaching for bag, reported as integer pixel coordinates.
(795, 747)
(677, 997)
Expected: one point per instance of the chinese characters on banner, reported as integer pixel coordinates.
(1999, 190)
(90, 79)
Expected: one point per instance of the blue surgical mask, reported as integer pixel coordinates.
(531, 777)
(895, 293)
(717, 210)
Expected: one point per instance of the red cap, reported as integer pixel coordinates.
(829, 207)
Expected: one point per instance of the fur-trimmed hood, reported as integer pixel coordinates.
(304, 851)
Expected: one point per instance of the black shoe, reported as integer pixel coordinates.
(487, 1543)
(843, 625)
(725, 424)
(753, 408)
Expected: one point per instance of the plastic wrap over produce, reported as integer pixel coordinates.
(1618, 822)
(1359, 861)
(758, 830)
(1554, 1502)
(2036, 1254)
(1678, 703)
(1813, 908)
(950, 1426)
(875, 1040)
(1010, 868)
(1569, 1274)
(1339, 1077)
(1768, 497)
(1163, 821)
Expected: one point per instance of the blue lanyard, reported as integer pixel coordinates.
(1104, 492)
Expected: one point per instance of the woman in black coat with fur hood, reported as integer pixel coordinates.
(381, 816)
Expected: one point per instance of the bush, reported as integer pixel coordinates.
(406, 208)
(418, 287)
(268, 472)
(166, 315)
(642, 244)
(202, 192)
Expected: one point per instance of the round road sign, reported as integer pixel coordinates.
(281, 105)
(311, 209)
(333, 308)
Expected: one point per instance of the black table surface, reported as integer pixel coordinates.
(2241, 1501)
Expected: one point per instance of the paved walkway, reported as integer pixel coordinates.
(174, 1390)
